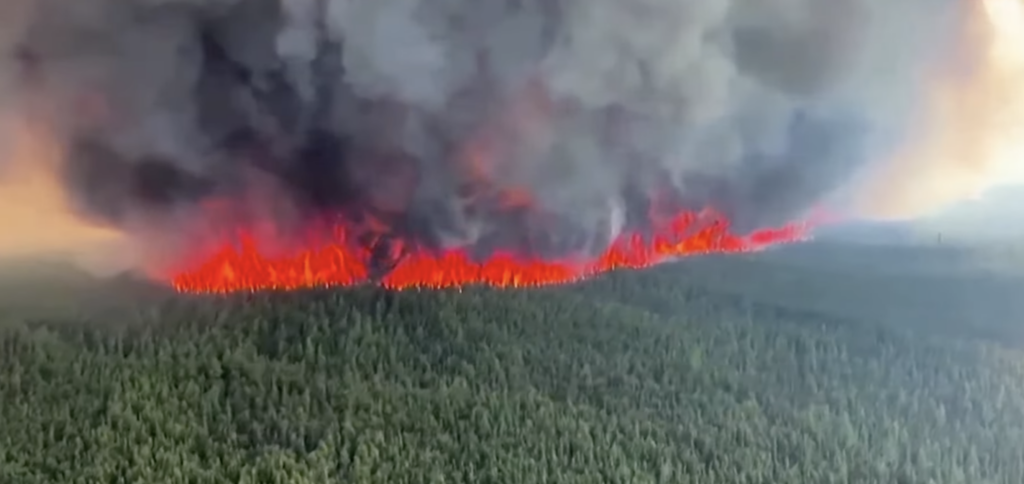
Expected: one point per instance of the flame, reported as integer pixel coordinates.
(973, 133)
(332, 258)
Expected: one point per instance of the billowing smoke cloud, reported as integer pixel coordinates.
(437, 110)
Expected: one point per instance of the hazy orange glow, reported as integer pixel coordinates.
(35, 215)
(973, 132)
(335, 261)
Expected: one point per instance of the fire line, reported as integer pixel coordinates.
(241, 265)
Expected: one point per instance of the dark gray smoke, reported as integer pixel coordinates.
(759, 108)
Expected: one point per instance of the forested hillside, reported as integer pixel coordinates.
(633, 378)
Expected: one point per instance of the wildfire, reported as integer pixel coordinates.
(367, 248)
(36, 216)
(337, 261)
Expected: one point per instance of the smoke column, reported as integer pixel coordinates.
(539, 127)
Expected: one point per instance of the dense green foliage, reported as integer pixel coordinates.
(635, 378)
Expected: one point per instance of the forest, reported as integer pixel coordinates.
(643, 377)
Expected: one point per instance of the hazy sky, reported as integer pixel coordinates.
(34, 213)
(970, 137)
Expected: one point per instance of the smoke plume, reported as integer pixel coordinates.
(475, 123)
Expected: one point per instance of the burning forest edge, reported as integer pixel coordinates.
(337, 260)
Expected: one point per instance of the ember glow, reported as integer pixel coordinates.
(336, 261)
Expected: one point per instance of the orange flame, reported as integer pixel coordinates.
(335, 261)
